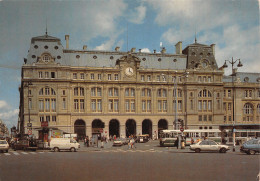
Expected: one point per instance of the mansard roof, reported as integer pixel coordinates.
(45, 37)
(246, 77)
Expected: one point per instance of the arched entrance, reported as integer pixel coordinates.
(130, 127)
(80, 129)
(162, 124)
(97, 127)
(147, 127)
(114, 128)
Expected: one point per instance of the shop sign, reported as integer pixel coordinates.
(44, 124)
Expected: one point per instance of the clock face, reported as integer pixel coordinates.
(129, 71)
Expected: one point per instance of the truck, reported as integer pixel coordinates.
(58, 144)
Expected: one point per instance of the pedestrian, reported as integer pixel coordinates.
(102, 142)
(177, 141)
(87, 141)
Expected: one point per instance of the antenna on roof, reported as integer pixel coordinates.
(195, 37)
(46, 32)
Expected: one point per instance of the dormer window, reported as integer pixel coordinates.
(46, 58)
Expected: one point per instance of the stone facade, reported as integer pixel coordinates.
(123, 93)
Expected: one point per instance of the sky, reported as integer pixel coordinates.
(233, 25)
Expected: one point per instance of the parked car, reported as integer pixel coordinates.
(142, 139)
(24, 145)
(168, 142)
(4, 146)
(208, 145)
(57, 144)
(118, 142)
(251, 147)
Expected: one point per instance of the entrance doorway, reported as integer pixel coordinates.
(130, 127)
(147, 127)
(114, 128)
(162, 124)
(97, 127)
(80, 129)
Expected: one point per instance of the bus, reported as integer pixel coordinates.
(242, 135)
(169, 137)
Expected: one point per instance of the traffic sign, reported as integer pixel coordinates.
(29, 132)
(181, 129)
(29, 125)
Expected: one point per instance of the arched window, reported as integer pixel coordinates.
(248, 108)
(204, 93)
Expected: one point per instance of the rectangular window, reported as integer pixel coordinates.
(200, 106)
(52, 75)
(82, 76)
(209, 105)
(149, 106)
(205, 117)
(200, 117)
(109, 77)
(53, 105)
(99, 76)
(99, 105)
(164, 106)
(224, 93)
(93, 105)
(163, 78)
(148, 93)
(204, 78)
(225, 118)
(132, 105)
(180, 79)
(116, 105)
(148, 78)
(142, 77)
(82, 105)
(115, 92)
(210, 117)
(179, 105)
(143, 106)
(199, 78)
(63, 92)
(40, 75)
(54, 118)
(160, 106)
(47, 91)
(191, 104)
(48, 118)
(127, 92)
(224, 106)
(229, 118)
(92, 76)
(209, 79)
(41, 105)
(76, 104)
(229, 93)
(116, 76)
(204, 105)
(99, 92)
(41, 118)
(110, 105)
(132, 92)
(74, 75)
(250, 93)
(174, 105)
(218, 104)
(64, 103)
(164, 93)
(127, 105)
(47, 104)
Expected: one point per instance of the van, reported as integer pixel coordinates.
(57, 144)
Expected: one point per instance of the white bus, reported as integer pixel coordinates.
(168, 137)
(242, 135)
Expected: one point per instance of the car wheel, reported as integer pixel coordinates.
(197, 150)
(73, 150)
(251, 152)
(223, 150)
(56, 149)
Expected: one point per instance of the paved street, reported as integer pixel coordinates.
(146, 162)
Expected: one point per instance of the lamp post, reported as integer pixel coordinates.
(233, 96)
(28, 84)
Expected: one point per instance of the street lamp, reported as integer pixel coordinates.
(233, 95)
(185, 74)
(27, 85)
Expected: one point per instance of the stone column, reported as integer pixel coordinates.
(138, 129)
(155, 130)
(88, 130)
(106, 129)
(122, 130)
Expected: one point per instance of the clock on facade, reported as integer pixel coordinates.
(129, 71)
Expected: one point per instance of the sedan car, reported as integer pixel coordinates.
(251, 147)
(208, 145)
(4, 146)
(118, 142)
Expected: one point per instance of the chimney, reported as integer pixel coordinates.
(132, 50)
(154, 51)
(178, 47)
(163, 50)
(213, 49)
(85, 47)
(67, 41)
(117, 49)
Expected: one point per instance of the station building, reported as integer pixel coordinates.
(129, 93)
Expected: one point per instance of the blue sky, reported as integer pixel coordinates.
(233, 25)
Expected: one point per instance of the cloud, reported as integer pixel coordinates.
(3, 105)
(8, 115)
(137, 16)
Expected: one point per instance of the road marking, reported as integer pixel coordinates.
(40, 152)
(7, 153)
(32, 153)
(49, 152)
(24, 153)
(16, 153)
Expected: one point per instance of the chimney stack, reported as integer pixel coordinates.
(67, 41)
(213, 49)
(85, 47)
(178, 47)
(117, 49)
(132, 50)
(163, 50)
